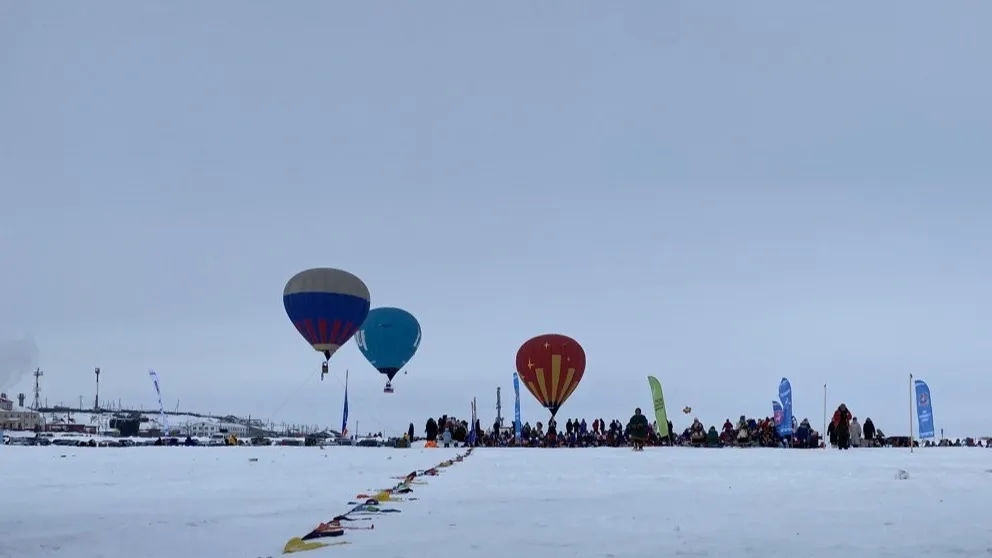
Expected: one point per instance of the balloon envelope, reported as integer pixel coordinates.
(551, 366)
(389, 338)
(327, 306)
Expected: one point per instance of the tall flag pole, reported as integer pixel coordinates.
(516, 408)
(910, 413)
(472, 434)
(161, 409)
(823, 435)
(344, 419)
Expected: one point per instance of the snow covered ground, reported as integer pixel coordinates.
(213, 502)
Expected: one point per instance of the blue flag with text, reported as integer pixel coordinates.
(516, 407)
(924, 412)
(785, 396)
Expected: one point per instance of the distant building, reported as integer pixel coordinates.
(20, 420)
(62, 425)
(207, 429)
(23, 419)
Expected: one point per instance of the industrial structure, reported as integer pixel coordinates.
(37, 388)
(18, 418)
(96, 400)
(120, 421)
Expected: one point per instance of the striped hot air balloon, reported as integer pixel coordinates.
(551, 366)
(327, 306)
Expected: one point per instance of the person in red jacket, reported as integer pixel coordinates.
(842, 420)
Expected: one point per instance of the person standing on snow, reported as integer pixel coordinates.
(728, 429)
(803, 435)
(638, 429)
(869, 433)
(855, 433)
(842, 419)
(713, 438)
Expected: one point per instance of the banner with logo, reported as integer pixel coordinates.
(660, 412)
(924, 412)
(516, 407)
(779, 414)
(785, 396)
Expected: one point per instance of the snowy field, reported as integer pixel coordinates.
(215, 502)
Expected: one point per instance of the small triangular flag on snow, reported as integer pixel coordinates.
(296, 544)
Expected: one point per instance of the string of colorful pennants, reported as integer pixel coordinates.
(366, 506)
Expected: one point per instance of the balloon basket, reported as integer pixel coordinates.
(387, 389)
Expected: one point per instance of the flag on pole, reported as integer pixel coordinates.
(516, 407)
(161, 408)
(344, 419)
(924, 409)
(785, 396)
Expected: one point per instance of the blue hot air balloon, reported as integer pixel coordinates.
(327, 306)
(389, 338)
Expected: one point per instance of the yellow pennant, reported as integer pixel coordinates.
(386, 496)
(296, 544)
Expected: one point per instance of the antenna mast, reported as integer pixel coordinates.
(37, 388)
(96, 402)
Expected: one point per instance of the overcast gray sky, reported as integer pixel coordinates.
(720, 194)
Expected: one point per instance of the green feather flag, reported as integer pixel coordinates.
(659, 406)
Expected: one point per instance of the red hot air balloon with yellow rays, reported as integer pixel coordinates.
(551, 366)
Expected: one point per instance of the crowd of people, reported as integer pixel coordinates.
(843, 432)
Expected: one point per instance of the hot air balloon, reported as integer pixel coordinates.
(389, 338)
(327, 306)
(551, 367)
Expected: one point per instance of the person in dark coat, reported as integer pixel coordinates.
(843, 428)
(804, 434)
(431, 430)
(638, 429)
(713, 438)
(409, 432)
(868, 431)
